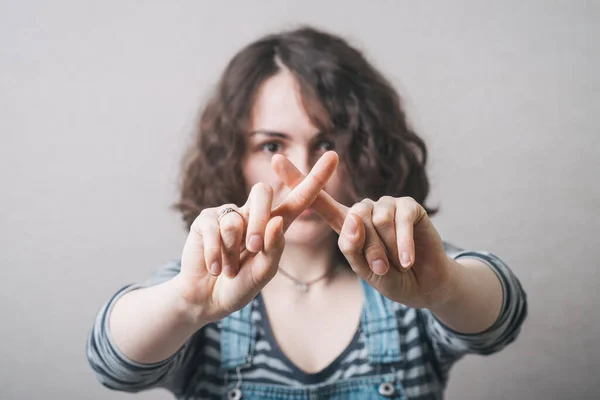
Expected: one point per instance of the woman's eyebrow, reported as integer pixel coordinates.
(280, 135)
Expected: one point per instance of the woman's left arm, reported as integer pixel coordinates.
(474, 299)
(392, 244)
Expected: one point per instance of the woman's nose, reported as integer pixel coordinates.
(302, 161)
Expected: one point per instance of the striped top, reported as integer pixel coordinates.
(429, 348)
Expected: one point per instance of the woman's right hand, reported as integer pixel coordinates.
(226, 262)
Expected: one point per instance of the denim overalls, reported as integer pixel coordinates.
(380, 326)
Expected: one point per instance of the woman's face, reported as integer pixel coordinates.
(279, 124)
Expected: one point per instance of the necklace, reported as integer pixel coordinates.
(301, 285)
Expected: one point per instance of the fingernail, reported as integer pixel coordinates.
(215, 268)
(405, 259)
(379, 267)
(352, 227)
(255, 243)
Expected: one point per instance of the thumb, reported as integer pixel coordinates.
(352, 242)
(268, 259)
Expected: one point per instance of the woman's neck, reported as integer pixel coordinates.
(307, 262)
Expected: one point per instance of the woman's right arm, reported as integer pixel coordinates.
(142, 336)
(149, 325)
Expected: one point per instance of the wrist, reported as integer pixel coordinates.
(189, 314)
(449, 292)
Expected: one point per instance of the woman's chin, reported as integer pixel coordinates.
(308, 231)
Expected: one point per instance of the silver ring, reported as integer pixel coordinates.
(226, 211)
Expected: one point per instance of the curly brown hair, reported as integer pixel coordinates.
(343, 95)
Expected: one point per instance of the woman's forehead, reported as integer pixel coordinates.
(278, 108)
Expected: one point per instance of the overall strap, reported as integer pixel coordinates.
(380, 325)
(238, 336)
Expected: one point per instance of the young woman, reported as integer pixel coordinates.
(301, 278)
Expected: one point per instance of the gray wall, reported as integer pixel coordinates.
(97, 103)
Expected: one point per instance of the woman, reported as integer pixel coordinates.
(300, 278)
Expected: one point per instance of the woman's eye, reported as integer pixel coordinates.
(325, 145)
(271, 147)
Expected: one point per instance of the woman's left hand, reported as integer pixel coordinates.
(390, 243)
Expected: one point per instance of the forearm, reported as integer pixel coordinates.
(474, 298)
(149, 325)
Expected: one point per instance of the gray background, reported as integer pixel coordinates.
(97, 102)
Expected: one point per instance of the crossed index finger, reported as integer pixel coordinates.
(304, 189)
(329, 209)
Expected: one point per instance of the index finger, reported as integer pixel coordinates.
(305, 190)
(329, 209)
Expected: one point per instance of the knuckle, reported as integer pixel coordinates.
(205, 212)
(195, 226)
(258, 220)
(301, 198)
(373, 250)
(362, 209)
(404, 213)
(406, 201)
(201, 218)
(257, 228)
(346, 246)
(262, 187)
(383, 218)
(213, 249)
(229, 226)
(387, 199)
